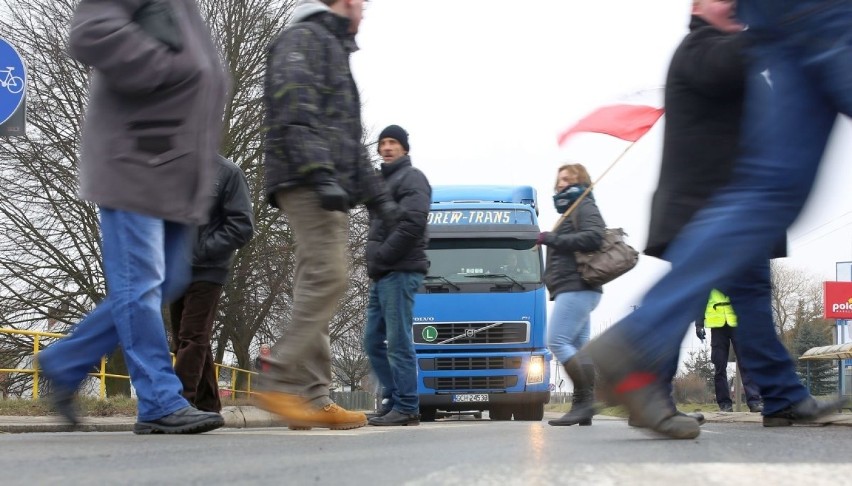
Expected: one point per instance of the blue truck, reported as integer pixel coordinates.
(479, 317)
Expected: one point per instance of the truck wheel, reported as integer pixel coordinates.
(530, 412)
(500, 413)
(428, 414)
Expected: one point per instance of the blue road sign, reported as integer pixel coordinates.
(13, 76)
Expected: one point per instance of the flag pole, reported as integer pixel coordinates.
(589, 189)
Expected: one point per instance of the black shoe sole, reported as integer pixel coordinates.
(206, 425)
(392, 424)
(581, 423)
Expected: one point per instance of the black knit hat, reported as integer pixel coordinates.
(397, 133)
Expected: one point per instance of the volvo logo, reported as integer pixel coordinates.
(470, 332)
(424, 319)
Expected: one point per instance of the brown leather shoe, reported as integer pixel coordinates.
(331, 416)
(290, 407)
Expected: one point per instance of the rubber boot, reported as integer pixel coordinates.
(583, 402)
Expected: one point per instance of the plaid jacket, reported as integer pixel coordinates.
(313, 110)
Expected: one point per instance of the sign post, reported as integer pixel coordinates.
(843, 273)
(13, 92)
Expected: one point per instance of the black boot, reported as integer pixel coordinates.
(583, 402)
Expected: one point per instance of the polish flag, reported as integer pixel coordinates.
(625, 121)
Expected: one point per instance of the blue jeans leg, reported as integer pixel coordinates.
(134, 261)
(569, 326)
(388, 341)
(784, 137)
(762, 358)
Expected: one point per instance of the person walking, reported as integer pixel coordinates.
(152, 126)
(720, 318)
(573, 299)
(397, 264)
(797, 48)
(230, 227)
(703, 100)
(316, 170)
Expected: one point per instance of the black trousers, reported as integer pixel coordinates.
(721, 339)
(192, 325)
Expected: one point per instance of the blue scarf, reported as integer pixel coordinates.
(563, 200)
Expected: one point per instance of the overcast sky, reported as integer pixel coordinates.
(484, 87)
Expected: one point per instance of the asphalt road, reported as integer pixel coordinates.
(463, 452)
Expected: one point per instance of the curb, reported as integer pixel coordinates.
(241, 417)
(247, 417)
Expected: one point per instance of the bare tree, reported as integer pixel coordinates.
(50, 258)
(796, 297)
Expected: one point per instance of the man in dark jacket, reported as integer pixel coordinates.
(727, 245)
(156, 100)
(703, 101)
(396, 264)
(229, 228)
(316, 170)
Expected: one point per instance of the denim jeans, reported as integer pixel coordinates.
(808, 52)
(569, 326)
(146, 263)
(388, 341)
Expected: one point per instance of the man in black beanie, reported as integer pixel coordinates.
(396, 264)
(396, 133)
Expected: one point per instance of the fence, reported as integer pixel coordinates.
(37, 340)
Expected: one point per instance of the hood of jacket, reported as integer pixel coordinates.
(306, 8)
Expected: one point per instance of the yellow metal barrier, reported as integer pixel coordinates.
(102, 374)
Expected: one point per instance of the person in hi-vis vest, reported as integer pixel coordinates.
(720, 317)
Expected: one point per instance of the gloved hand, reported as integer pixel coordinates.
(701, 333)
(332, 197)
(389, 212)
(543, 237)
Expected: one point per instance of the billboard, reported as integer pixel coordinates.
(837, 297)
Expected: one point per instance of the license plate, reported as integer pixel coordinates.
(470, 397)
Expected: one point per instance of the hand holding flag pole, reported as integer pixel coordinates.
(627, 122)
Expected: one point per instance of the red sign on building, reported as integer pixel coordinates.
(837, 297)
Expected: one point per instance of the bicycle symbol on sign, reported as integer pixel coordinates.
(13, 83)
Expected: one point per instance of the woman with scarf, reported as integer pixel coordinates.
(574, 300)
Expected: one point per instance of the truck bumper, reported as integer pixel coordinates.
(445, 401)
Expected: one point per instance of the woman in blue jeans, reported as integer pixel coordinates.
(574, 299)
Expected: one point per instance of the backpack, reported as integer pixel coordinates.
(614, 258)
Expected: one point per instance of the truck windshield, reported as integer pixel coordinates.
(459, 263)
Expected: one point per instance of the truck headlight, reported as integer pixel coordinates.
(535, 371)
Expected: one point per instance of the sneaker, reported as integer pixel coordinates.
(626, 383)
(396, 418)
(726, 408)
(806, 411)
(755, 407)
(188, 420)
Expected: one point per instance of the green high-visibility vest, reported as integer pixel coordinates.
(719, 311)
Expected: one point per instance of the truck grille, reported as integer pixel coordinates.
(470, 363)
(467, 333)
(494, 383)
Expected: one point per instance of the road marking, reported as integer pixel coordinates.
(638, 474)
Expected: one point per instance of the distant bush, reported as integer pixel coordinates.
(691, 388)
